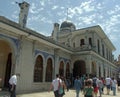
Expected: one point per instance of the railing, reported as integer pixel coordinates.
(89, 48)
(84, 48)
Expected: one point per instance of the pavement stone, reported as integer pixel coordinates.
(70, 93)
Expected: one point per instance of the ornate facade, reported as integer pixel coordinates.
(37, 58)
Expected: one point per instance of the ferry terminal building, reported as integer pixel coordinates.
(38, 58)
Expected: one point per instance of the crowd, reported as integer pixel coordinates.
(89, 86)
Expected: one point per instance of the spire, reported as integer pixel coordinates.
(67, 15)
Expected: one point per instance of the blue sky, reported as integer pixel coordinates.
(83, 13)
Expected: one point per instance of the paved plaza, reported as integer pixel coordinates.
(70, 93)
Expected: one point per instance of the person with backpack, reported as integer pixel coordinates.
(77, 85)
(95, 85)
(100, 86)
(62, 87)
(55, 85)
(114, 85)
(108, 84)
(88, 90)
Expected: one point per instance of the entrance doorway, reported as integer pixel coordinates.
(79, 68)
(8, 70)
(5, 63)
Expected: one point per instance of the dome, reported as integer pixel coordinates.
(67, 25)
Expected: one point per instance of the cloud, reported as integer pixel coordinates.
(74, 11)
(34, 9)
(54, 7)
(87, 6)
(42, 2)
(15, 16)
(115, 10)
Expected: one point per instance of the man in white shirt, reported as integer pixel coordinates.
(108, 82)
(55, 85)
(13, 83)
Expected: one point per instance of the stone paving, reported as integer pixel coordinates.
(70, 93)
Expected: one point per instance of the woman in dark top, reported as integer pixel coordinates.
(88, 90)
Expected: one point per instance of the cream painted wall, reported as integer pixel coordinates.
(26, 66)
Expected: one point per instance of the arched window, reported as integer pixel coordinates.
(90, 42)
(38, 69)
(94, 68)
(98, 43)
(103, 52)
(99, 71)
(82, 42)
(61, 68)
(74, 44)
(49, 70)
(68, 70)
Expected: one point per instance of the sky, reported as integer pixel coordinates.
(83, 13)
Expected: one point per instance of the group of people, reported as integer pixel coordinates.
(90, 87)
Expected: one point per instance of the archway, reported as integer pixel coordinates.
(79, 68)
(38, 69)
(67, 70)
(5, 63)
(93, 68)
(61, 69)
(49, 70)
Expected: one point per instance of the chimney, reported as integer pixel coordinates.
(24, 8)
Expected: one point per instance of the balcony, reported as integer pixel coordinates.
(85, 48)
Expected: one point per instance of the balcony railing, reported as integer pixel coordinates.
(84, 48)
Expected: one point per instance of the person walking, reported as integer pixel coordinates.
(88, 90)
(62, 87)
(108, 84)
(100, 86)
(55, 85)
(95, 85)
(77, 85)
(68, 83)
(103, 81)
(113, 85)
(12, 84)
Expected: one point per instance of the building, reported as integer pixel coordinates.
(117, 63)
(37, 58)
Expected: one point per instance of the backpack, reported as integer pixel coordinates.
(94, 82)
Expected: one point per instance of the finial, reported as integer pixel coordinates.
(67, 15)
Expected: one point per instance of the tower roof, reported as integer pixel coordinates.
(66, 24)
